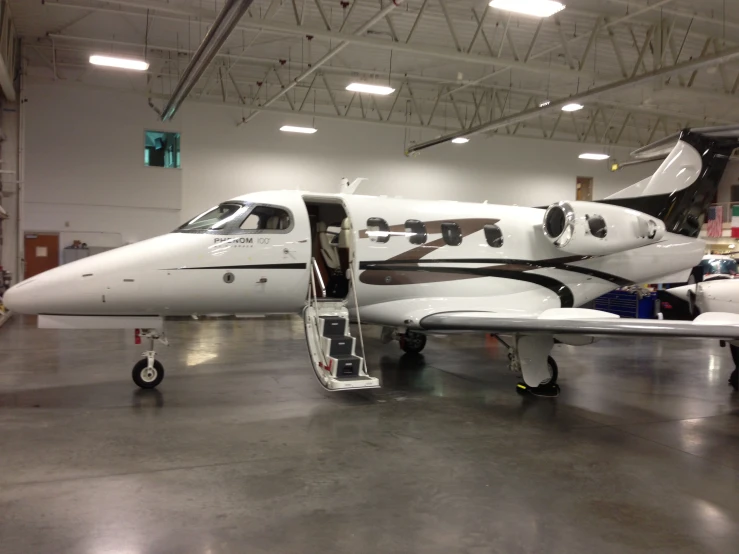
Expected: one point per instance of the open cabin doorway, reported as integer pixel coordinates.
(331, 243)
(584, 189)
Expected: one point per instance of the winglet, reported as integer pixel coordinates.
(348, 188)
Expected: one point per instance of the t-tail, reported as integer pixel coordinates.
(685, 185)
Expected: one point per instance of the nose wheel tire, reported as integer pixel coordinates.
(734, 379)
(147, 377)
(411, 342)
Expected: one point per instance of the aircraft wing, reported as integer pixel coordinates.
(575, 321)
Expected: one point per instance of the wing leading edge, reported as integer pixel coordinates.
(722, 326)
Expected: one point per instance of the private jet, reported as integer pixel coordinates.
(714, 295)
(414, 267)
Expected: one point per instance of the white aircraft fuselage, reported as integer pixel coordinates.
(268, 271)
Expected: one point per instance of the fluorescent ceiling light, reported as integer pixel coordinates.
(292, 129)
(123, 63)
(572, 107)
(537, 8)
(460, 140)
(596, 157)
(370, 89)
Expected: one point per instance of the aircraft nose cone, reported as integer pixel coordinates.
(18, 300)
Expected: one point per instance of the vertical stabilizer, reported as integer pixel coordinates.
(685, 185)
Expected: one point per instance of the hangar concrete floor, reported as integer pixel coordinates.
(241, 451)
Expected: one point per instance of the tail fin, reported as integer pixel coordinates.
(685, 185)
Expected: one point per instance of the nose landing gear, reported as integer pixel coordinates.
(149, 372)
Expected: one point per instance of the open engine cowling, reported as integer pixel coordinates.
(592, 229)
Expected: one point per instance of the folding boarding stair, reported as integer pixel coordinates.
(332, 347)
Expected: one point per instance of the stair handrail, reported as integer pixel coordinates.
(312, 298)
(320, 279)
(359, 321)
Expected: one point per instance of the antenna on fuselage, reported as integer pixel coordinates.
(349, 188)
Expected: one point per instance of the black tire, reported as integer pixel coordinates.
(553, 371)
(734, 379)
(141, 376)
(412, 343)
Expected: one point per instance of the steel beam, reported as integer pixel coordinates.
(326, 57)
(558, 104)
(212, 42)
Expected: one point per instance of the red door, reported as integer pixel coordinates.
(42, 252)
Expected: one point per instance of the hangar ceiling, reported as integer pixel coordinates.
(455, 65)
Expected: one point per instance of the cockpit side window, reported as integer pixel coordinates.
(267, 219)
(235, 218)
(215, 218)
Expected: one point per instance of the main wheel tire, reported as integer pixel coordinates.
(553, 372)
(734, 379)
(145, 377)
(412, 343)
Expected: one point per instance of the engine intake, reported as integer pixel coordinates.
(592, 229)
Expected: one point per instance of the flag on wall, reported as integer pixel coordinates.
(735, 221)
(715, 221)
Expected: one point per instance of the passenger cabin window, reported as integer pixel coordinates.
(451, 233)
(494, 236)
(266, 218)
(416, 231)
(378, 230)
(215, 218)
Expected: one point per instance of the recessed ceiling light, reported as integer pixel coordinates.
(596, 157)
(460, 140)
(123, 63)
(536, 8)
(370, 89)
(572, 107)
(293, 129)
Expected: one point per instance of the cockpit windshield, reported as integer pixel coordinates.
(215, 218)
(720, 267)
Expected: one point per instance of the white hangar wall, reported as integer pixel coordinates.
(85, 175)
(221, 160)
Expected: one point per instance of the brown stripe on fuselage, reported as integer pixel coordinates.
(400, 277)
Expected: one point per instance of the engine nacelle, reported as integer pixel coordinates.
(592, 229)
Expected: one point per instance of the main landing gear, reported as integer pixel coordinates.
(529, 355)
(410, 342)
(149, 372)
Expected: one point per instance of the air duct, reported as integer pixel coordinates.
(214, 39)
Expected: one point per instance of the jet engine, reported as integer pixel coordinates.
(592, 229)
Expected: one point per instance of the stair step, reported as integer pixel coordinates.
(347, 366)
(338, 347)
(334, 326)
(358, 378)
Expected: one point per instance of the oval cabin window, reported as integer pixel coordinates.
(378, 230)
(416, 231)
(451, 233)
(494, 236)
